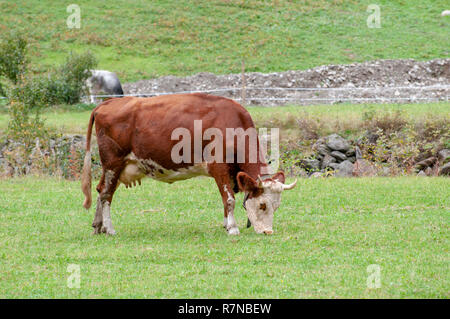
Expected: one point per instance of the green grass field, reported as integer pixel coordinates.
(141, 39)
(170, 242)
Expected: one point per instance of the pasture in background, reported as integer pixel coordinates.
(142, 39)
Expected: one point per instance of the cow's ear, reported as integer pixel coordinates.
(279, 177)
(246, 183)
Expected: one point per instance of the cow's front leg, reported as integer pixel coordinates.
(221, 175)
(229, 203)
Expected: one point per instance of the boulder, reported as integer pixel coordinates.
(344, 169)
(358, 153)
(316, 175)
(429, 171)
(363, 167)
(339, 156)
(337, 143)
(334, 166)
(421, 173)
(444, 156)
(310, 164)
(350, 153)
(425, 163)
(445, 170)
(327, 160)
(323, 150)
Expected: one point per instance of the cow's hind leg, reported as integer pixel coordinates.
(106, 195)
(113, 162)
(98, 219)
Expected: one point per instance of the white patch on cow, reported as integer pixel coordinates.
(107, 224)
(270, 199)
(231, 224)
(137, 168)
(109, 175)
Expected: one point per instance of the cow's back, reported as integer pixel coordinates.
(144, 126)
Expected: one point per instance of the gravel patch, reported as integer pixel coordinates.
(381, 81)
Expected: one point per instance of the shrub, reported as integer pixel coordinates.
(67, 84)
(13, 56)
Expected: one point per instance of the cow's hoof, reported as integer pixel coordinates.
(233, 231)
(108, 231)
(97, 229)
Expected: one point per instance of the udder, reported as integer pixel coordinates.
(131, 174)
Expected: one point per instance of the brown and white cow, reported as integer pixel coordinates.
(135, 138)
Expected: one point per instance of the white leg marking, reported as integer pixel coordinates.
(107, 224)
(231, 222)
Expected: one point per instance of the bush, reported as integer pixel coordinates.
(67, 84)
(13, 57)
(63, 85)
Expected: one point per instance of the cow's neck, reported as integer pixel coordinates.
(256, 170)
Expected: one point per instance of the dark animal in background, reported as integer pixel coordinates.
(103, 82)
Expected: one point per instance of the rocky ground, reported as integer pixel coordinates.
(381, 81)
(334, 155)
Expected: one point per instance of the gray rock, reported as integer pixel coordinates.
(421, 173)
(358, 153)
(444, 156)
(316, 175)
(350, 153)
(337, 143)
(363, 167)
(352, 159)
(344, 169)
(323, 150)
(334, 166)
(386, 171)
(327, 160)
(445, 170)
(425, 163)
(311, 164)
(339, 156)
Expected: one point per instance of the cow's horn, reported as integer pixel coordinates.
(289, 186)
(259, 180)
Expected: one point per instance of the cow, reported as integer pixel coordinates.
(139, 137)
(102, 81)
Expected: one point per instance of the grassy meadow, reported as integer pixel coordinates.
(73, 119)
(170, 242)
(141, 39)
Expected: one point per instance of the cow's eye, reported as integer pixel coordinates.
(262, 206)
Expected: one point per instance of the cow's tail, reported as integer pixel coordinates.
(86, 175)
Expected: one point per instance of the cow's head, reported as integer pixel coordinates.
(262, 198)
